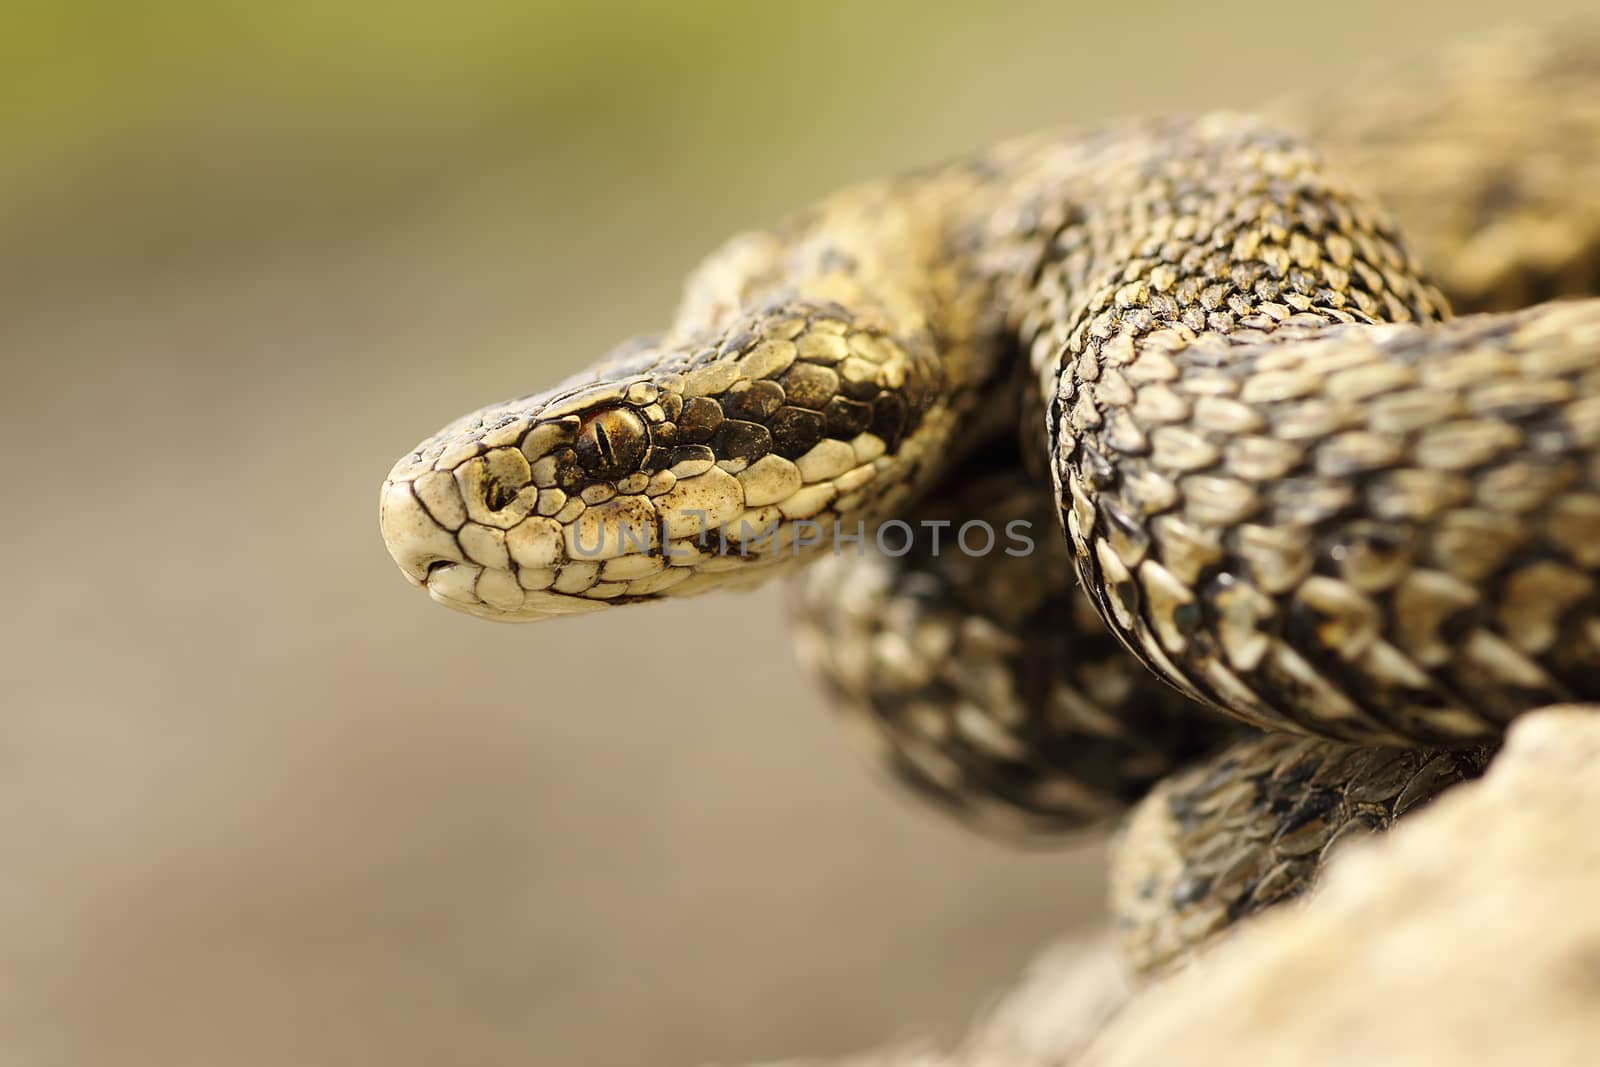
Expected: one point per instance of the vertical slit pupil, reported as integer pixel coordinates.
(602, 443)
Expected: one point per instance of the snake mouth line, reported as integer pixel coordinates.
(454, 585)
(451, 584)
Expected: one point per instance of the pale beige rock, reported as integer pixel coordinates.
(1468, 935)
(1062, 1002)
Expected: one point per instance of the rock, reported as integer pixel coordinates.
(1061, 1003)
(1469, 935)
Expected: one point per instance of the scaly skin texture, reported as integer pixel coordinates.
(985, 681)
(1381, 536)
(1251, 827)
(1289, 485)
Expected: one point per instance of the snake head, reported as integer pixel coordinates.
(662, 471)
(537, 507)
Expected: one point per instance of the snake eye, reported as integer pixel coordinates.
(612, 442)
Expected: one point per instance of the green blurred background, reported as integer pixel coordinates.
(263, 803)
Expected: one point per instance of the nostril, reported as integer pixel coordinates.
(497, 495)
(494, 482)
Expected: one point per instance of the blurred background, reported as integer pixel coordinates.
(261, 801)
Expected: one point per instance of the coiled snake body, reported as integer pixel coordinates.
(1304, 497)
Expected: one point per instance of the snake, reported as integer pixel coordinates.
(1234, 475)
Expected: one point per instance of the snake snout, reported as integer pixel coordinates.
(458, 567)
(417, 542)
(472, 531)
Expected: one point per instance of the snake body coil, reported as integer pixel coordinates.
(1302, 496)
